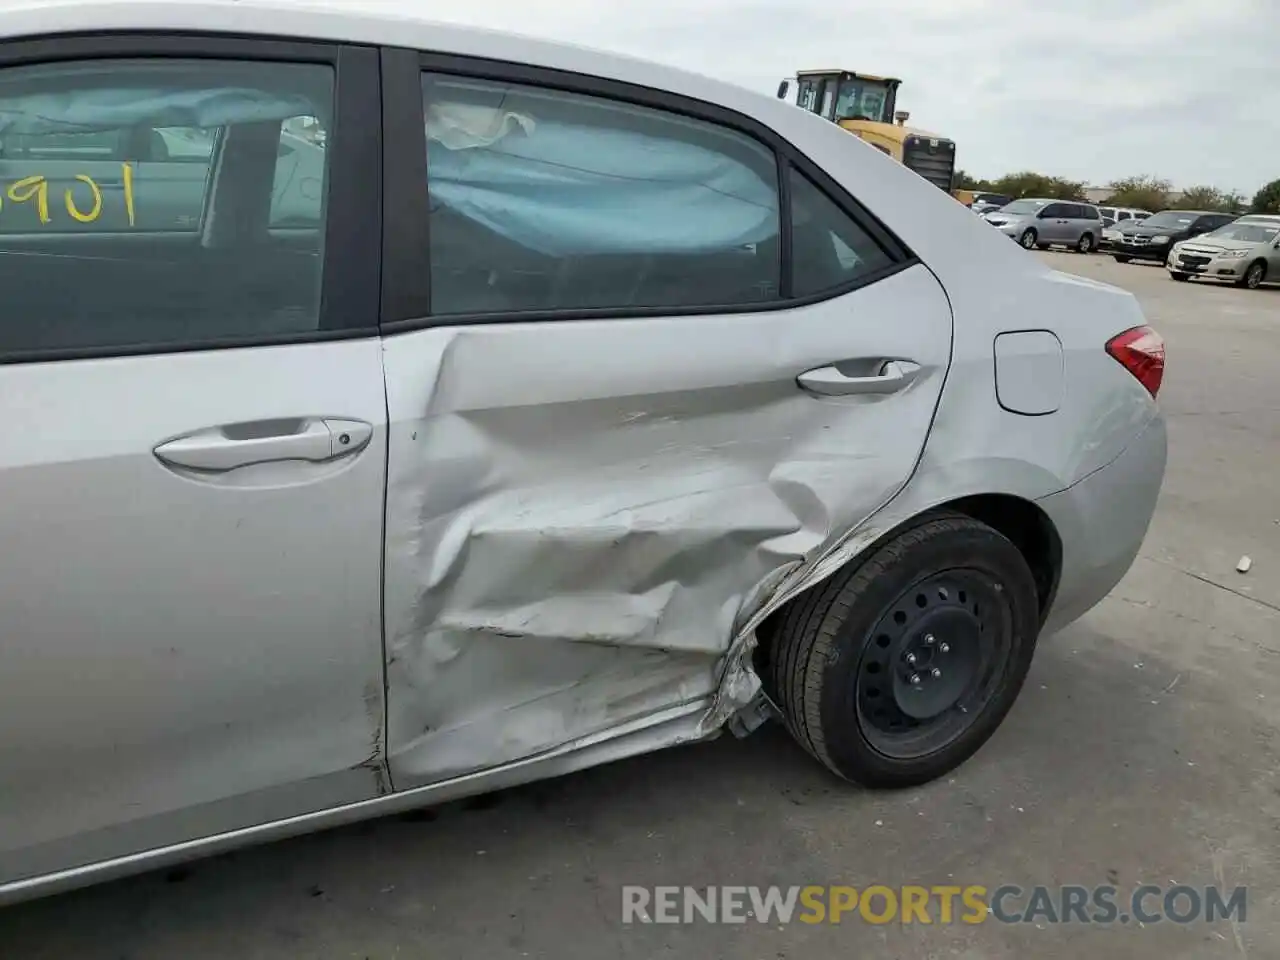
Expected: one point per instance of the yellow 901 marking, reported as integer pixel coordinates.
(36, 188)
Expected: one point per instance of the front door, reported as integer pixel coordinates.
(626, 419)
(190, 583)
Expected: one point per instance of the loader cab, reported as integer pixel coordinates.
(867, 107)
(840, 95)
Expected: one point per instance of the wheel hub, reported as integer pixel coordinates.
(931, 663)
(937, 662)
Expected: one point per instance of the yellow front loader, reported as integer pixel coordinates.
(866, 106)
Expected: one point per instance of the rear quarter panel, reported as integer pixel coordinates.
(995, 287)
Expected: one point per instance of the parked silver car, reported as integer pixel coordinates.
(1040, 224)
(565, 434)
(1245, 252)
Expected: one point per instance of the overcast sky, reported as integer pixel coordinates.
(1087, 89)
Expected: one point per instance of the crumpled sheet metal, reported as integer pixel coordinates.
(546, 583)
(497, 661)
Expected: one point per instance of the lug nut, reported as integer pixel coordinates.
(935, 673)
(944, 648)
(910, 658)
(928, 638)
(915, 679)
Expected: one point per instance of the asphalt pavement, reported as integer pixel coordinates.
(1142, 751)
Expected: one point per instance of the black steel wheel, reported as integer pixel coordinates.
(894, 672)
(931, 667)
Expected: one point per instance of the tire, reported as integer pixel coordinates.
(1120, 258)
(1254, 276)
(1085, 243)
(1180, 277)
(840, 664)
(1028, 239)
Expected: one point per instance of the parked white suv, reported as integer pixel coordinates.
(1112, 217)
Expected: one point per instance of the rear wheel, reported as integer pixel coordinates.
(896, 671)
(1119, 258)
(1028, 239)
(1183, 277)
(1254, 276)
(1085, 243)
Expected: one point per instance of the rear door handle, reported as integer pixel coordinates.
(887, 376)
(219, 449)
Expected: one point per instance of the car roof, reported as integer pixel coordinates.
(350, 21)
(1198, 213)
(1264, 217)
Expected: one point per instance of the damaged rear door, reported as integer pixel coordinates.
(642, 359)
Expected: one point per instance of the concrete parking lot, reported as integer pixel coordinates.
(1144, 749)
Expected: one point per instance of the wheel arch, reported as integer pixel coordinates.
(1021, 520)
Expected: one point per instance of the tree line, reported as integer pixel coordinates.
(1144, 192)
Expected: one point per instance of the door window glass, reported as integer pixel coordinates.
(545, 200)
(112, 232)
(828, 249)
(829, 99)
(807, 97)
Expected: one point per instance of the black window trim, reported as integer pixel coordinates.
(406, 274)
(353, 211)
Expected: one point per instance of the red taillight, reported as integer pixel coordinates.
(1141, 351)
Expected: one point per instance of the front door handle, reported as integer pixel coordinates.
(219, 449)
(887, 376)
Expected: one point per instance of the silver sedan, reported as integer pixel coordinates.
(585, 408)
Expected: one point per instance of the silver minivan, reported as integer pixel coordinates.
(1042, 223)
